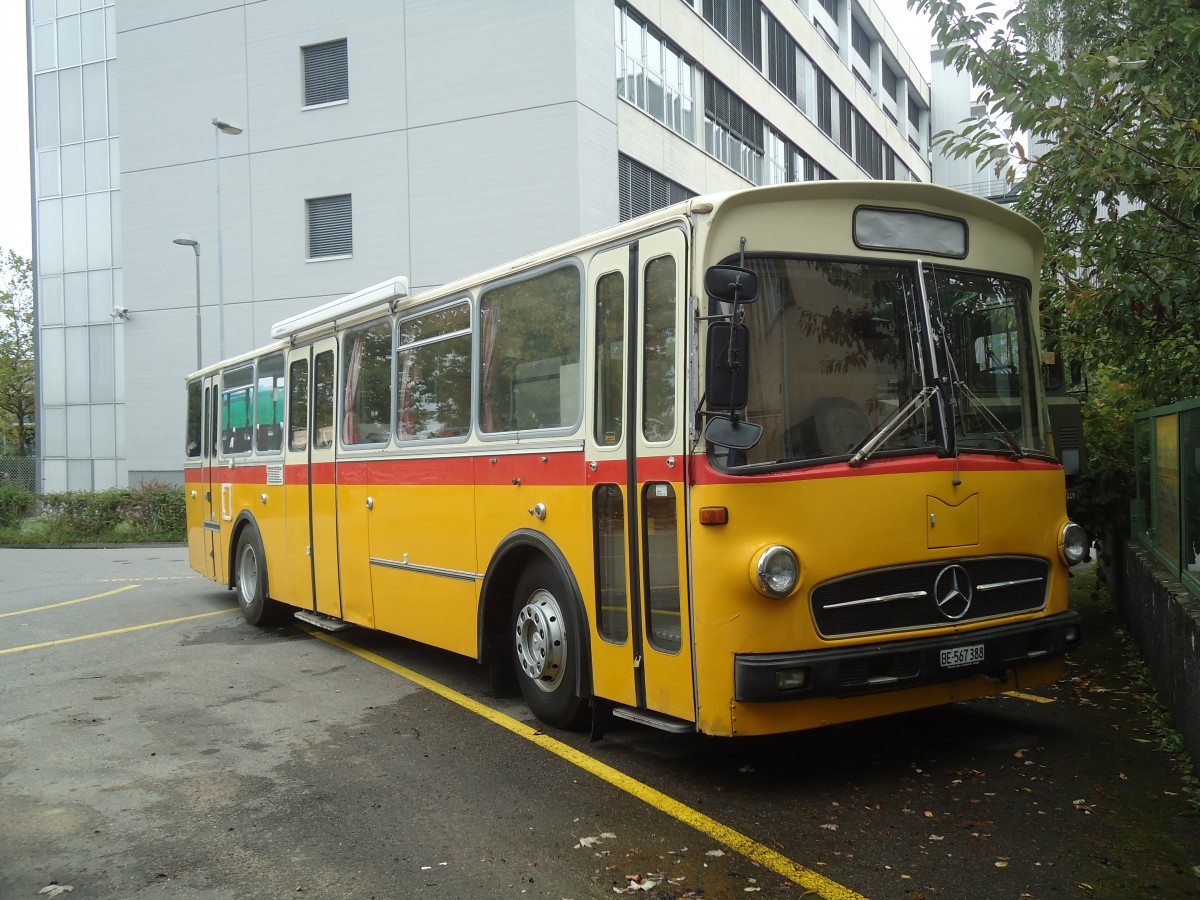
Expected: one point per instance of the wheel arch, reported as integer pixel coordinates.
(245, 519)
(511, 557)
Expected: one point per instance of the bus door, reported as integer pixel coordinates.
(211, 483)
(643, 655)
(311, 505)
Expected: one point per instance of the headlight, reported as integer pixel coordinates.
(1073, 544)
(777, 571)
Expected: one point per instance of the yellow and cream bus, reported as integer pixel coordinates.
(758, 462)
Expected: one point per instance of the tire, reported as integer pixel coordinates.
(250, 581)
(546, 647)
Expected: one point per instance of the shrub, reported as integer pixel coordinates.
(16, 502)
(81, 516)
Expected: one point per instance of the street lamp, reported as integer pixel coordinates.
(221, 126)
(186, 240)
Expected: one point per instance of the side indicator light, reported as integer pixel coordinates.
(714, 515)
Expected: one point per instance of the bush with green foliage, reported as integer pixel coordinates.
(16, 502)
(150, 512)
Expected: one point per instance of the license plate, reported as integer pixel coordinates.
(961, 656)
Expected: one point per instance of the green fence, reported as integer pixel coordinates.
(1166, 510)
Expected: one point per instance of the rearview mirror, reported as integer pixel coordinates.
(732, 284)
(727, 369)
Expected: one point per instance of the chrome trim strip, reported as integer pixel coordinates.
(995, 585)
(425, 570)
(886, 598)
(212, 526)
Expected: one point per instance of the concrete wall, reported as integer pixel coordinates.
(1164, 619)
(507, 144)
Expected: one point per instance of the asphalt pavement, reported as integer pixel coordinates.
(152, 744)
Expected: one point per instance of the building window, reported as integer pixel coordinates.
(643, 190)
(827, 98)
(868, 147)
(782, 54)
(654, 75)
(326, 74)
(831, 7)
(891, 82)
(733, 132)
(846, 126)
(740, 23)
(860, 41)
(330, 232)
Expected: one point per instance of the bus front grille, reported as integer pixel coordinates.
(929, 595)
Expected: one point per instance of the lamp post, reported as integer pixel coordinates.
(219, 126)
(186, 240)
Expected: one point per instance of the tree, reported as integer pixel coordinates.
(16, 353)
(1112, 176)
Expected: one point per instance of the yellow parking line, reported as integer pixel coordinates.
(34, 609)
(812, 882)
(1032, 698)
(100, 634)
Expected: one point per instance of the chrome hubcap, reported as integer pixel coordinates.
(541, 640)
(248, 575)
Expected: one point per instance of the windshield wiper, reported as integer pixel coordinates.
(864, 449)
(998, 430)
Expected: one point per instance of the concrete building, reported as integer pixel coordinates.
(955, 97)
(309, 149)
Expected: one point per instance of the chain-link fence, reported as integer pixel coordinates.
(20, 470)
(172, 477)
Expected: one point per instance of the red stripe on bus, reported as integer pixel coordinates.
(703, 473)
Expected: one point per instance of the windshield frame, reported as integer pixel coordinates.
(935, 393)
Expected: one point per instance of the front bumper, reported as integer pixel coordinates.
(893, 665)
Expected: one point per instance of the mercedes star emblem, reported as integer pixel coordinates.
(952, 591)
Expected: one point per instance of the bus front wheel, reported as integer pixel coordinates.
(546, 647)
(250, 581)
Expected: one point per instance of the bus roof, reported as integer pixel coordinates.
(389, 295)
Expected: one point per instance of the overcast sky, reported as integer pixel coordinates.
(15, 231)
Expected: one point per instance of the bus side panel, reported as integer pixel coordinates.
(194, 499)
(354, 567)
(294, 584)
(838, 526)
(421, 529)
(508, 489)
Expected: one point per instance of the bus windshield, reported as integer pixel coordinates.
(845, 355)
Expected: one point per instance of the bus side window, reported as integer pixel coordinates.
(530, 353)
(268, 412)
(298, 405)
(433, 380)
(367, 385)
(194, 419)
(610, 358)
(323, 375)
(237, 410)
(658, 349)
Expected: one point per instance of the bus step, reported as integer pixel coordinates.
(322, 621)
(654, 720)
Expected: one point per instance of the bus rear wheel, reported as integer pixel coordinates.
(546, 647)
(250, 581)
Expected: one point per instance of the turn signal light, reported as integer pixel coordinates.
(714, 515)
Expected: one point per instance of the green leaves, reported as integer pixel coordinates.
(1094, 104)
(16, 354)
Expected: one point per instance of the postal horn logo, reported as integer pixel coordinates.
(952, 590)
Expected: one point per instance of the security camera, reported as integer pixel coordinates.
(119, 312)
